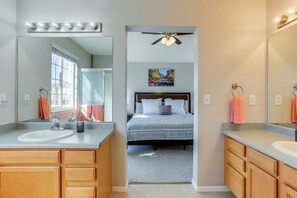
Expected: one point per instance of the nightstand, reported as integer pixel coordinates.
(129, 116)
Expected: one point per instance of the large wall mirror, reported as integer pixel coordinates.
(72, 75)
(282, 76)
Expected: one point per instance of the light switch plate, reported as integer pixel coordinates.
(278, 100)
(3, 99)
(252, 99)
(207, 99)
(27, 98)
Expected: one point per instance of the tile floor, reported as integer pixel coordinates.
(167, 191)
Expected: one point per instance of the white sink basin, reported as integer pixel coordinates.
(44, 135)
(288, 147)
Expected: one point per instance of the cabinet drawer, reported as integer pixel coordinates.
(80, 174)
(80, 192)
(236, 162)
(235, 147)
(234, 181)
(288, 174)
(80, 157)
(29, 157)
(262, 161)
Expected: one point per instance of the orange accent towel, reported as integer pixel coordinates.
(85, 110)
(237, 110)
(44, 108)
(294, 109)
(98, 113)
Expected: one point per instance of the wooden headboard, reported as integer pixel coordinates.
(154, 95)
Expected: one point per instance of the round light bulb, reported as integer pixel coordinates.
(277, 19)
(291, 10)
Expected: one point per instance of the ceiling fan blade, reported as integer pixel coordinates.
(157, 41)
(183, 33)
(158, 33)
(177, 41)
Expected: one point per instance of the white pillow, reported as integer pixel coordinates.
(138, 109)
(151, 106)
(177, 106)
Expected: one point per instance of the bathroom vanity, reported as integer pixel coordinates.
(254, 168)
(78, 166)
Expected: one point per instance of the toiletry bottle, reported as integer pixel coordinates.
(90, 119)
(80, 126)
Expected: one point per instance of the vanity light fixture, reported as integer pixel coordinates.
(57, 26)
(69, 27)
(286, 18)
(31, 26)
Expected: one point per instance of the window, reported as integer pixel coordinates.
(63, 81)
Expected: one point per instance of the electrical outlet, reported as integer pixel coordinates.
(207, 99)
(252, 100)
(278, 100)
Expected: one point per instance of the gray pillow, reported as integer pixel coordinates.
(165, 109)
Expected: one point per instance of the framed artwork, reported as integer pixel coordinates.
(161, 77)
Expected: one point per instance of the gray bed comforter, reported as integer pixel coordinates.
(160, 127)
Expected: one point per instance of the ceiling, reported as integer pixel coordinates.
(140, 49)
(95, 45)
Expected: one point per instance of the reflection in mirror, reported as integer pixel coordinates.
(70, 75)
(282, 76)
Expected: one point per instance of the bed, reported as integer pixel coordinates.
(155, 129)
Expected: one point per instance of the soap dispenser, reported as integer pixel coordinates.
(80, 126)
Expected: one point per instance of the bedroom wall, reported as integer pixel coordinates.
(7, 59)
(231, 48)
(137, 79)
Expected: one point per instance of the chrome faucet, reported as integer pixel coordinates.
(55, 126)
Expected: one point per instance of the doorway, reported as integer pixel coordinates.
(163, 165)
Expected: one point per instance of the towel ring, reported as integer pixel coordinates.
(235, 86)
(42, 90)
(294, 89)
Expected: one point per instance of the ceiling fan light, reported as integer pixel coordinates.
(164, 40)
(171, 40)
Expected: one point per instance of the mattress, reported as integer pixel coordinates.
(160, 127)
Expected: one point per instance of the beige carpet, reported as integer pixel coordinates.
(164, 165)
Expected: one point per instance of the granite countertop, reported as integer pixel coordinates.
(261, 140)
(93, 136)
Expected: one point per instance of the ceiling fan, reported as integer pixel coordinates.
(168, 38)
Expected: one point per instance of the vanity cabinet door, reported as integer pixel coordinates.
(260, 183)
(30, 182)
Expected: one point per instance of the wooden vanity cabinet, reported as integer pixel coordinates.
(235, 167)
(262, 175)
(29, 173)
(252, 174)
(288, 181)
(56, 173)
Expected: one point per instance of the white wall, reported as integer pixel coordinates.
(7, 59)
(102, 61)
(137, 79)
(34, 69)
(231, 49)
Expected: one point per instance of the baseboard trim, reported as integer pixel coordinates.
(209, 188)
(120, 188)
(194, 184)
(212, 189)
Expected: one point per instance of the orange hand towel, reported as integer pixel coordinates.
(44, 108)
(294, 109)
(237, 110)
(98, 113)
